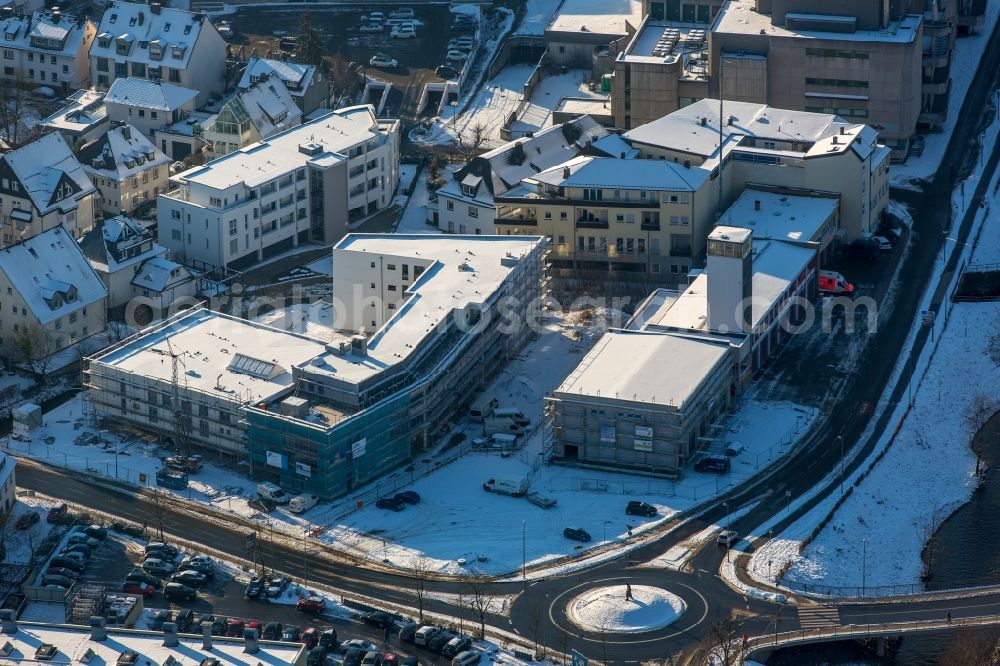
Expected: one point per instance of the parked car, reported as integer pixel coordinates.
(219, 625)
(461, 43)
(455, 645)
(376, 17)
(636, 508)
(262, 505)
(328, 639)
(26, 520)
(379, 619)
(390, 659)
(384, 61)
(190, 578)
(455, 54)
(402, 13)
(576, 534)
(272, 631)
(77, 555)
(81, 548)
(425, 633)
(273, 492)
(291, 634)
(63, 571)
(96, 532)
(184, 619)
(862, 248)
(727, 538)
(312, 604)
(446, 72)
(310, 637)
(171, 552)
(131, 587)
(372, 658)
(353, 656)
(58, 515)
(157, 616)
(408, 631)
(467, 658)
(890, 232)
(80, 537)
(437, 643)
(317, 657)
(67, 562)
(390, 503)
(276, 585)
(408, 496)
(254, 587)
(157, 567)
(883, 243)
(403, 32)
(234, 628)
(179, 592)
(61, 581)
(362, 645)
(371, 27)
(204, 567)
(411, 661)
(256, 624)
(713, 464)
(139, 576)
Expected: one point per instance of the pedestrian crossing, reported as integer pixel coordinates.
(817, 616)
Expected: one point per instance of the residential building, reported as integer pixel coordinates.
(308, 86)
(127, 169)
(466, 203)
(49, 289)
(148, 105)
(252, 114)
(647, 218)
(579, 27)
(301, 185)
(418, 332)
(47, 48)
(160, 44)
(762, 145)
(63, 643)
(7, 485)
(141, 280)
(82, 120)
(43, 186)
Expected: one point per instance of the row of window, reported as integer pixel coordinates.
(837, 83)
(596, 194)
(840, 111)
(837, 53)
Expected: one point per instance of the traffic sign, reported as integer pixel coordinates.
(251, 541)
(579, 659)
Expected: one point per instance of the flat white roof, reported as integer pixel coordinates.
(603, 17)
(72, 642)
(665, 41)
(625, 174)
(645, 367)
(739, 17)
(439, 290)
(84, 111)
(783, 217)
(209, 342)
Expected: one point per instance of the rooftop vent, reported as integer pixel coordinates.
(756, 204)
(128, 658)
(310, 148)
(8, 624)
(704, 121)
(87, 656)
(98, 631)
(46, 652)
(359, 345)
(250, 641)
(170, 634)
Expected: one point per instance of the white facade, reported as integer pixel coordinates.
(127, 169)
(303, 184)
(148, 105)
(7, 487)
(47, 48)
(730, 266)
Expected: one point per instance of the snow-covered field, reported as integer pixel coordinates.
(621, 609)
(538, 14)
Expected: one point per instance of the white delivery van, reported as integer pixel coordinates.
(425, 633)
(482, 409)
(302, 503)
(502, 425)
(273, 492)
(512, 413)
(515, 487)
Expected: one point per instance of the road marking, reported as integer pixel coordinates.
(915, 609)
(813, 617)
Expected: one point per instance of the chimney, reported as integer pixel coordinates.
(126, 133)
(621, 155)
(170, 634)
(565, 172)
(154, 7)
(250, 641)
(98, 628)
(730, 119)
(206, 635)
(8, 623)
(56, 15)
(687, 164)
(843, 130)
(756, 204)
(704, 121)
(835, 140)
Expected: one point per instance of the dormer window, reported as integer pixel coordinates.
(187, 29)
(178, 51)
(114, 17)
(64, 191)
(104, 40)
(166, 28)
(469, 190)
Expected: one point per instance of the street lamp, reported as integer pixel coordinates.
(788, 501)
(725, 505)
(524, 550)
(864, 563)
(840, 440)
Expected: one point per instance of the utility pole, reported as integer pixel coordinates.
(864, 564)
(524, 550)
(840, 440)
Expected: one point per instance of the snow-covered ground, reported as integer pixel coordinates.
(414, 217)
(964, 63)
(538, 14)
(546, 95)
(928, 470)
(19, 544)
(625, 609)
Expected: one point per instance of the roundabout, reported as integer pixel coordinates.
(625, 609)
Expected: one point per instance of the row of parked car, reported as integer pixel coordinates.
(441, 641)
(66, 566)
(180, 581)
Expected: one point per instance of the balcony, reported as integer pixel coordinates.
(650, 225)
(591, 223)
(520, 216)
(680, 252)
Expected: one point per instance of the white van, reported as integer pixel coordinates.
(302, 503)
(273, 492)
(512, 413)
(467, 658)
(482, 409)
(503, 441)
(507, 486)
(502, 425)
(425, 633)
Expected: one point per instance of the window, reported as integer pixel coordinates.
(562, 215)
(592, 194)
(234, 246)
(840, 111)
(580, 243)
(473, 212)
(837, 53)
(232, 227)
(8, 54)
(390, 267)
(562, 240)
(175, 234)
(391, 287)
(214, 201)
(641, 245)
(451, 205)
(548, 215)
(142, 113)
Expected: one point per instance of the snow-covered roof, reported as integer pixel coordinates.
(297, 76)
(136, 25)
(655, 368)
(209, 341)
(42, 32)
(84, 111)
(147, 94)
(73, 642)
(613, 145)
(49, 172)
(600, 17)
(117, 243)
(260, 162)
(121, 153)
(740, 17)
(51, 274)
(783, 217)
(619, 174)
(155, 274)
(267, 104)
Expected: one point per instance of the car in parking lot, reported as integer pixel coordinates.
(81, 548)
(275, 586)
(713, 464)
(379, 619)
(403, 32)
(58, 514)
(53, 579)
(390, 659)
(408, 632)
(380, 60)
(291, 634)
(402, 13)
(446, 72)
(257, 625)
(861, 248)
(254, 587)
(727, 538)
(311, 604)
(139, 576)
(80, 537)
(457, 644)
(466, 658)
(76, 564)
(576, 534)
(179, 592)
(883, 243)
(372, 658)
(157, 616)
(353, 656)
(371, 27)
(390, 503)
(358, 643)
(189, 578)
(219, 625)
(636, 508)
(131, 587)
(309, 637)
(408, 496)
(160, 546)
(205, 568)
(234, 628)
(184, 618)
(62, 571)
(26, 520)
(455, 54)
(96, 532)
(328, 639)
(157, 567)
(272, 631)
(437, 642)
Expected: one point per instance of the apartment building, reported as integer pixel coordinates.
(7, 485)
(611, 215)
(252, 114)
(466, 203)
(418, 332)
(304, 184)
(82, 120)
(579, 27)
(52, 297)
(127, 169)
(160, 44)
(163, 112)
(797, 150)
(308, 86)
(42, 187)
(47, 48)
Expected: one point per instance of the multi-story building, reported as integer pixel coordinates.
(308, 86)
(301, 185)
(466, 203)
(127, 169)
(160, 44)
(419, 330)
(52, 297)
(43, 186)
(163, 112)
(7, 485)
(797, 150)
(252, 114)
(82, 120)
(47, 48)
(578, 28)
(606, 214)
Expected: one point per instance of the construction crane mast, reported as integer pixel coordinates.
(182, 421)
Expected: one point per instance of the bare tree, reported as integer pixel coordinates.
(14, 109)
(480, 598)
(118, 331)
(420, 572)
(537, 613)
(470, 142)
(161, 513)
(723, 641)
(980, 410)
(34, 346)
